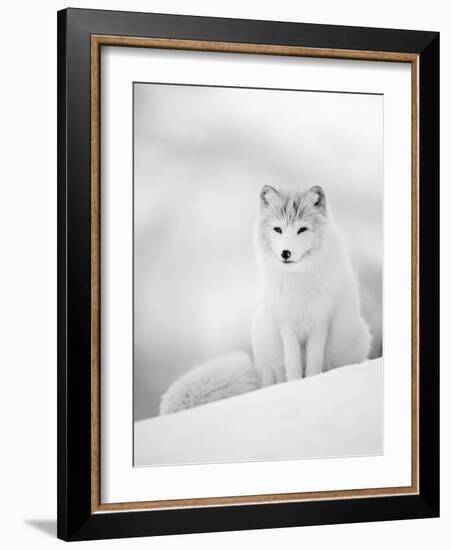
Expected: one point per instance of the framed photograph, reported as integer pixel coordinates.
(248, 274)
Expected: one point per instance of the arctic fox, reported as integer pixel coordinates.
(309, 318)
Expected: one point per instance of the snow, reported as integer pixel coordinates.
(338, 413)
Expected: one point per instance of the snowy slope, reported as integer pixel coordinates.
(339, 413)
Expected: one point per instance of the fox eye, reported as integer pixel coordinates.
(277, 229)
(302, 229)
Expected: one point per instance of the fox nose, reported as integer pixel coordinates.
(286, 254)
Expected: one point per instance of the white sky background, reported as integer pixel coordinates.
(201, 156)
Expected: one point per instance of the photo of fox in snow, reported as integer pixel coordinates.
(258, 274)
(309, 318)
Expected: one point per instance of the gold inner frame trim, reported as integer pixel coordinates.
(97, 41)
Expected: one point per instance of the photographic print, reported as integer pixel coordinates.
(258, 255)
(244, 219)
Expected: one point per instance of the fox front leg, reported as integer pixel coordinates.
(316, 343)
(292, 353)
(267, 349)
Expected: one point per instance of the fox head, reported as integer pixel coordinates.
(291, 226)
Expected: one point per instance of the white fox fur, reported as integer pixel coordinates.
(308, 320)
(309, 317)
(218, 378)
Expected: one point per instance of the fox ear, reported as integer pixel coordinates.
(269, 195)
(317, 197)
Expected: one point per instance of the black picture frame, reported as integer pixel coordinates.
(76, 519)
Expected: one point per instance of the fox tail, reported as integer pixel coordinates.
(218, 378)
